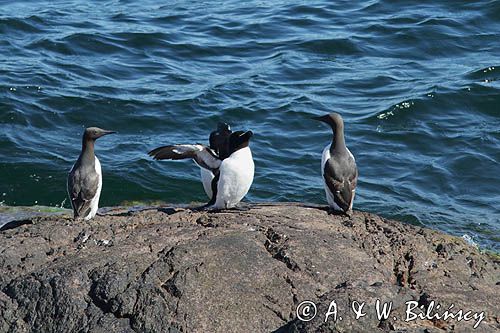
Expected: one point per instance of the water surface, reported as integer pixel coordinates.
(417, 85)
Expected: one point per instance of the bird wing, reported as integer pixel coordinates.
(201, 154)
(81, 191)
(343, 183)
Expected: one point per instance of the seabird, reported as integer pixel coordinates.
(228, 164)
(338, 167)
(219, 140)
(85, 177)
(219, 143)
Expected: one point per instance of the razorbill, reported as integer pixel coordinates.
(232, 176)
(219, 143)
(219, 140)
(85, 177)
(338, 167)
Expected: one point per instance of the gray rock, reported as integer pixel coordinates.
(180, 270)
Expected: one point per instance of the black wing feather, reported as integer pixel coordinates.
(202, 155)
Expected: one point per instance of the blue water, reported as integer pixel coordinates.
(417, 84)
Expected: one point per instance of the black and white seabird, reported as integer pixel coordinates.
(85, 178)
(227, 165)
(338, 167)
(219, 140)
(219, 143)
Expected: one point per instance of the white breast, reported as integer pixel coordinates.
(236, 177)
(206, 180)
(94, 203)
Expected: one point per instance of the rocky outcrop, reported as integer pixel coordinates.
(180, 270)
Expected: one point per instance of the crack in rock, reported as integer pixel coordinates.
(275, 245)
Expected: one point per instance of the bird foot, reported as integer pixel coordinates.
(212, 209)
(332, 211)
(201, 208)
(240, 208)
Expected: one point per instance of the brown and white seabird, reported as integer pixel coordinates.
(85, 177)
(338, 167)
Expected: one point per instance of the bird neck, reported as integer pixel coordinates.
(88, 150)
(338, 141)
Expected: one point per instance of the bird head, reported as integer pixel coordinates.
(94, 133)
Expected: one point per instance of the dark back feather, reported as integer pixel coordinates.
(341, 175)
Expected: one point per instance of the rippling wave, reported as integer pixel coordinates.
(417, 84)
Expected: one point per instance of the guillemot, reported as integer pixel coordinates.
(231, 172)
(85, 177)
(338, 167)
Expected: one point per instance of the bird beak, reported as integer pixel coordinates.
(318, 118)
(249, 134)
(244, 136)
(221, 126)
(106, 132)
